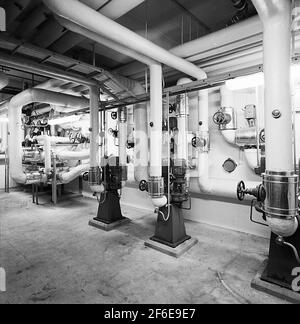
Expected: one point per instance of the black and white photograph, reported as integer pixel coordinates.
(149, 155)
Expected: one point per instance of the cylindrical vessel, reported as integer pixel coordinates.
(282, 194)
(246, 137)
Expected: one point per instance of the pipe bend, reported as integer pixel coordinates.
(271, 8)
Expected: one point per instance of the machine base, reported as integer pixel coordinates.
(109, 211)
(109, 227)
(173, 252)
(272, 288)
(170, 236)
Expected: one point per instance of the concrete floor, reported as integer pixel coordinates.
(51, 255)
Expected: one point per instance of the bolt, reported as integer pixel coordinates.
(200, 123)
(276, 114)
(151, 124)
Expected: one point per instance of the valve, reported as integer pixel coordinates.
(85, 176)
(259, 192)
(172, 108)
(221, 118)
(199, 142)
(262, 136)
(143, 186)
(130, 145)
(114, 115)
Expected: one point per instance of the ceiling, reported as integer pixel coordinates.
(168, 25)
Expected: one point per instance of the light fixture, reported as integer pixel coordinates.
(4, 120)
(246, 82)
(64, 120)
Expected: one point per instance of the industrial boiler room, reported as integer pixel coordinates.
(149, 153)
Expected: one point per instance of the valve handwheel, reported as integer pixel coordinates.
(241, 191)
(143, 186)
(219, 118)
(114, 115)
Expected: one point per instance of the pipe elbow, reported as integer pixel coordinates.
(229, 136)
(205, 185)
(271, 8)
(283, 227)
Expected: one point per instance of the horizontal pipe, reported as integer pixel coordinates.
(16, 133)
(29, 66)
(74, 173)
(105, 41)
(92, 20)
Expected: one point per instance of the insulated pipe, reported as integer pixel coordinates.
(123, 137)
(156, 111)
(47, 150)
(182, 114)
(16, 134)
(207, 185)
(95, 22)
(39, 69)
(156, 135)
(280, 181)
(4, 80)
(95, 126)
(73, 155)
(276, 19)
(104, 41)
(74, 173)
(141, 143)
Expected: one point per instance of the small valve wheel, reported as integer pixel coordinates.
(143, 186)
(259, 192)
(241, 188)
(196, 142)
(85, 176)
(114, 115)
(262, 136)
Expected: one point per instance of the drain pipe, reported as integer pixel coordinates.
(16, 133)
(280, 180)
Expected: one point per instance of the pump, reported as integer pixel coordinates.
(277, 200)
(171, 191)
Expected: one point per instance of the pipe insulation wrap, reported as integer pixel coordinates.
(16, 133)
(95, 126)
(95, 22)
(156, 119)
(276, 18)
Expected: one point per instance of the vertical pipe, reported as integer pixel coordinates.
(123, 136)
(276, 18)
(95, 125)
(156, 110)
(182, 115)
(141, 142)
